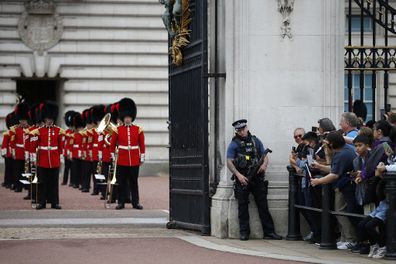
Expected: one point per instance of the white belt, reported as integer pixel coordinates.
(95, 145)
(128, 147)
(75, 146)
(48, 148)
(19, 145)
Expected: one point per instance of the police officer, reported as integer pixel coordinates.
(131, 153)
(245, 154)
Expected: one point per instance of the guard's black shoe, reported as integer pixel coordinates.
(244, 237)
(63, 183)
(120, 206)
(84, 190)
(56, 206)
(75, 186)
(18, 190)
(27, 197)
(272, 236)
(94, 193)
(40, 206)
(137, 206)
(102, 197)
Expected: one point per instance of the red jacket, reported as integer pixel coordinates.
(77, 146)
(5, 145)
(31, 143)
(130, 141)
(95, 145)
(49, 146)
(105, 148)
(68, 144)
(18, 142)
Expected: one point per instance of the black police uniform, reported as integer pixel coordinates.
(248, 153)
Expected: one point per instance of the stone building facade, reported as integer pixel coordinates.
(80, 53)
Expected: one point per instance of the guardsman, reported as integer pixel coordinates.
(30, 143)
(86, 159)
(131, 153)
(97, 114)
(6, 151)
(76, 171)
(18, 137)
(68, 143)
(49, 148)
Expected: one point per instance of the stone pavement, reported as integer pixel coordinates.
(85, 232)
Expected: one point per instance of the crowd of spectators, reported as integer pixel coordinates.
(351, 159)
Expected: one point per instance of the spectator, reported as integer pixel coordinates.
(349, 123)
(344, 188)
(371, 230)
(367, 132)
(296, 151)
(360, 109)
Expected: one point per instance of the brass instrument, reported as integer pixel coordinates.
(106, 125)
(34, 181)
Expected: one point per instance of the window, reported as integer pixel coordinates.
(368, 96)
(367, 24)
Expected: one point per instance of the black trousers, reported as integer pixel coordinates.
(66, 171)
(18, 168)
(94, 165)
(48, 185)
(128, 176)
(259, 188)
(8, 172)
(367, 230)
(105, 172)
(87, 172)
(352, 206)
(76, 171)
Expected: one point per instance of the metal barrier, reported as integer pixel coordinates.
(328, 241)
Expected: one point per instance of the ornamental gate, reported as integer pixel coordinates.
(369, 57)
(188, 128)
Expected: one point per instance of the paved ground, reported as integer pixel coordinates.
(154, 193)
(84, 232)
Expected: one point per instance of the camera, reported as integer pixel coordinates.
(314, 129)
(294, 149)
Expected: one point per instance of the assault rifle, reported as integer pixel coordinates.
(253, 169)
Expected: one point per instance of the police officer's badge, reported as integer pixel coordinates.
(40, 26)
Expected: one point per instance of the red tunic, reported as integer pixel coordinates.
(49, 146)
(106, 155)
(18, 143)
(77, 146)
(89, 145)
(5, 145)
(95, 145)
(130, 141)
(68, 144)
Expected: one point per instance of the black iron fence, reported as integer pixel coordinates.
(328, 240)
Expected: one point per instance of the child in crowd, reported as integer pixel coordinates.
(371, 230)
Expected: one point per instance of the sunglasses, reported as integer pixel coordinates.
(297, 136)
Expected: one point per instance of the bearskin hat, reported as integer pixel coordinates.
(32, 113)
(127, 108)
(97, 113)
(38, 109)
(10, 120)
(86, 115)
(78, 120)
(50, 110)
(69, 117)
(360, 109)
(114, 111)
(22, 111)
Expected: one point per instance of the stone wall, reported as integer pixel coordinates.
(108, 50)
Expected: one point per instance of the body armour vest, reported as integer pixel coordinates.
(247, 152)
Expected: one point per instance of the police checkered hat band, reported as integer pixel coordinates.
(240, 124)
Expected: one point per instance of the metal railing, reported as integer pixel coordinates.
(328, 240)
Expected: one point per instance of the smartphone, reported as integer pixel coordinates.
(387, 148)
(294, 149)
(314, 129)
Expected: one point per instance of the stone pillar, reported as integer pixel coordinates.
(278, 82)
